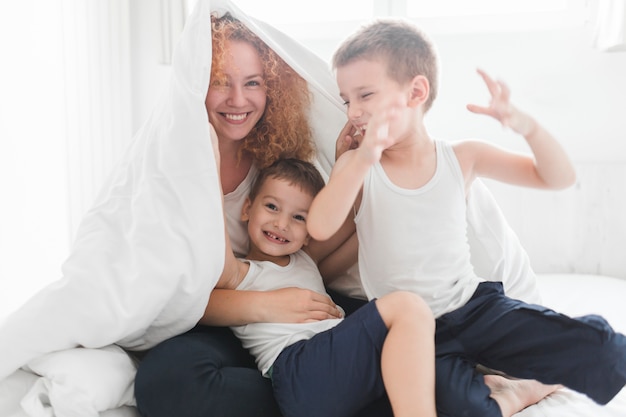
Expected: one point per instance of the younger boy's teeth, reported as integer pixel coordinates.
(280, 239)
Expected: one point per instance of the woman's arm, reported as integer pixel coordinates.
(286, 305)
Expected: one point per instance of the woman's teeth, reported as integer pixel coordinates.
(236, 117)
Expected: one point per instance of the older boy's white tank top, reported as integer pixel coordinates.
(415, 239)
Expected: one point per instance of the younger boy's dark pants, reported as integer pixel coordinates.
(206, 373)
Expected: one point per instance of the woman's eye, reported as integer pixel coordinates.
(254, 83)
(221, 85)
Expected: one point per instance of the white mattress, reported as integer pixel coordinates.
(566, 293)
(576, 295)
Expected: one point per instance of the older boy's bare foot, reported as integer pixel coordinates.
(513, 395)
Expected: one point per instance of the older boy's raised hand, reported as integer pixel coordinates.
(377, 136)
(500, 107)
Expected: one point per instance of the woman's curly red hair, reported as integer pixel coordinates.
(283, 131)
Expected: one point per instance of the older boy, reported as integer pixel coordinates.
(408, 192)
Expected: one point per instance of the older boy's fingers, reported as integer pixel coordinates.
(505, 91)
(492, 86)
(474, 108)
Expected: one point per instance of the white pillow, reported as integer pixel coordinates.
(497, 254)
(80, 382)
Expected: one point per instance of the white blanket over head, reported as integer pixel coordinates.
(149, 251)
(151, 248)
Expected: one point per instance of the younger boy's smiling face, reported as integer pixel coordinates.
(277, 220)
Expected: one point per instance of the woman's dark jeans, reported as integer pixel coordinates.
(206, 373)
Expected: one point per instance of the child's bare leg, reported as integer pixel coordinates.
(408, 355)
(513, 395)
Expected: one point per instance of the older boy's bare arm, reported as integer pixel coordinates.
(552, 163)
(337, 263)
(336, 200)
(550, 167)
(321, 249)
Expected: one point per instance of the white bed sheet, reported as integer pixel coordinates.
(577, 295)
(567, 293)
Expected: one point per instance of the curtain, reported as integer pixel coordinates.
(65, 117)
(609, 29)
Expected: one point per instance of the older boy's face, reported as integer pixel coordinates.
(277, 219)
(366, 89)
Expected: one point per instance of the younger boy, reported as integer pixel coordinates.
(408, 192)
(331, 367)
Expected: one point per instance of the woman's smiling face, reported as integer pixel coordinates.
(236, 103)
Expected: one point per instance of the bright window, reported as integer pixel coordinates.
(443, 8)
(311, 11)
(328, 19)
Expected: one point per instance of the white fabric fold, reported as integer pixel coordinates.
(151, 248)
(80, 383)
(609, 26)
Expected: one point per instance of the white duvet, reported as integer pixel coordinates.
(149, 251)
(104, 382)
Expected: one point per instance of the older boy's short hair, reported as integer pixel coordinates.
(295, 171)
(406, 50)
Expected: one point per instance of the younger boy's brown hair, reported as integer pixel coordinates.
(295, 171)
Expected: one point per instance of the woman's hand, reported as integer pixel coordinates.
(288, 305)
(297, 305)
(348, 139)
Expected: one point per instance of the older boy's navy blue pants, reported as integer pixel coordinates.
(524, 341)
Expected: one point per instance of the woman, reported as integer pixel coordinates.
(258, 107)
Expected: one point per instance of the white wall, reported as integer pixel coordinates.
(34, 224)
(150, 74)
(576, 91)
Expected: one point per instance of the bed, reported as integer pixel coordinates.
(573, 294)
(165, 189)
